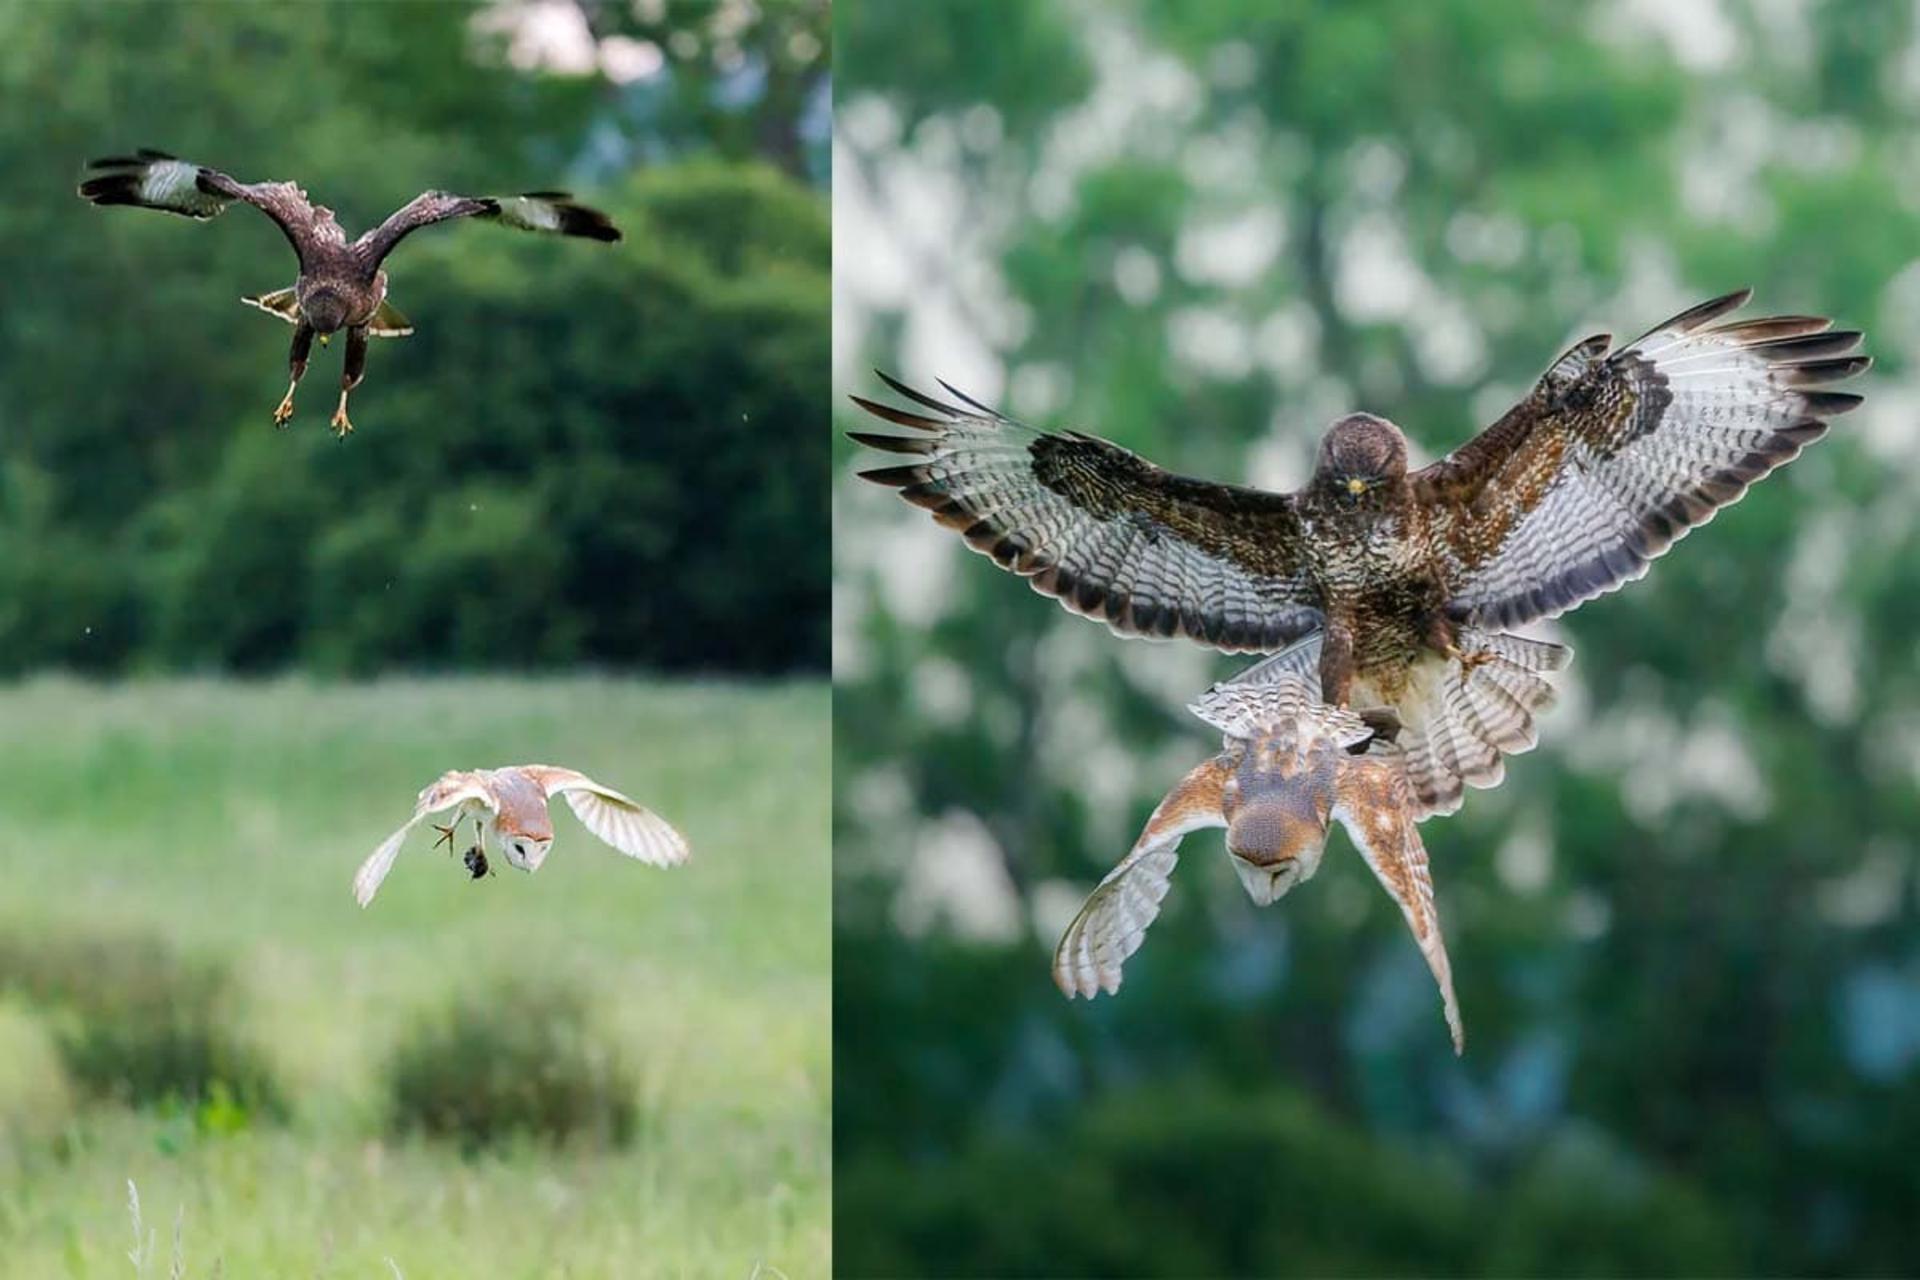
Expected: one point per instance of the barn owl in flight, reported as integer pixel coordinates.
(1290, 765)
(508, 808)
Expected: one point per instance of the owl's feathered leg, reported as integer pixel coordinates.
(297, 367)
(356, 368)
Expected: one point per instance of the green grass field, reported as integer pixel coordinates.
(230, 818)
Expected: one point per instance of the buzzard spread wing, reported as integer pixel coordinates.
(627, 826)
(1107, 533)
(449, 790)
(1615, 455)
(550, 212)
(1373, 801)
(151, 179)
(1114, 920)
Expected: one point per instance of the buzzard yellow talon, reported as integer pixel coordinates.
(341, 427)
(1467, 658)
(284, 411)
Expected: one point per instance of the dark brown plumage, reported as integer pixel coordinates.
(1612, 457)
(341, 284)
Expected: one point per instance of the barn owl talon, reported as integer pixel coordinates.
(446, 835)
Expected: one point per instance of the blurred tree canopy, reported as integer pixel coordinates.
(1686, 932)
(585, 454)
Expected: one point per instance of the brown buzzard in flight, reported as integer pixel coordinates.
(1290, 765)
(1612, 457)
(341, 285)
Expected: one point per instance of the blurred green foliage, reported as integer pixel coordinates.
(520, 1058)
(136, 1022)
(584, 454)
(1685, 932)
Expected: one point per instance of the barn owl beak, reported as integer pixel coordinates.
(1274, 848)
(1356, 486)
(1267, 883)
(526, 853)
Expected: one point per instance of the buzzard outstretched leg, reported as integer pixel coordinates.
(356, 368)
(1336, 663)
(1443, 637)
(296, 367)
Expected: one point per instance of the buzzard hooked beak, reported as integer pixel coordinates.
(1356, 486)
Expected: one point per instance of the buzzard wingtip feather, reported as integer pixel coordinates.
(891, 477)
(920, 397)
(1712, 309)
(899, 417)
(893, 444)
(1831, 404)
(964, 398)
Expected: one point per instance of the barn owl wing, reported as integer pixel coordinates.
(1114, 920)
(451, 789)
(1374, 802)
(632, 828)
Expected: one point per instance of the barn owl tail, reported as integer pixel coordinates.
(1460, 719)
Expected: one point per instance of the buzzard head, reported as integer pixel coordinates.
(1360, 454)
(324, 310)
(1276, 809)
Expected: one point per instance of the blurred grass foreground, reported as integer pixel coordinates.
(600, 1070)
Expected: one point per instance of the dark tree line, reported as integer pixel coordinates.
(584, 455)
